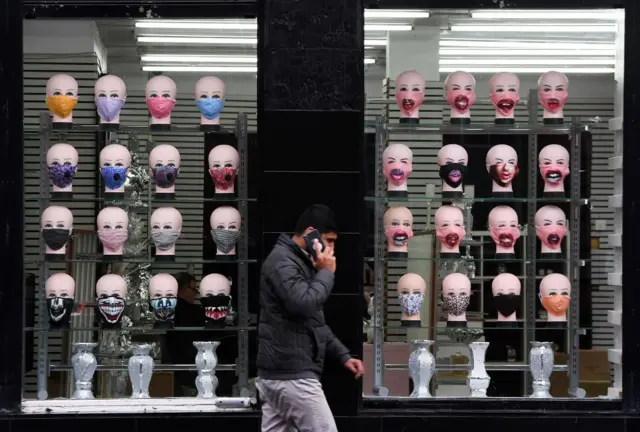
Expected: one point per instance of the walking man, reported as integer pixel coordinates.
(293, 338)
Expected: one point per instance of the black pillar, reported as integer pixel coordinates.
(311, 139)
(11, 216)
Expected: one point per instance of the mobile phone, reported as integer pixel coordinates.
(310, 241)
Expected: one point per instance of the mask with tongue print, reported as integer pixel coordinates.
(397, 165)
(397, 228)
(409, 94)
(460, 88)
(503, 226)
(504, 90)
(450, 230)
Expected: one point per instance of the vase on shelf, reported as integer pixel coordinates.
(541, 366)
(206, 362)
(422, 366)
(140, 370)
(478, 379)
(84, 365)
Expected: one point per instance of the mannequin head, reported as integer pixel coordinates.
(110, 93)
(62, 97)
(411, 289)
(164, 161)
(111, 292)
(160, 93)
(504, 90)
(60, 290)
(449, 222)
(553, 91)
(225, 229)
(397, 165)
(113, 225)
(456, 292)
(166, 226)
(555, 294)
(62, 160)
(506, 289)
(398, 222)
(115, 161)
(460, 88)
(502, 164)
(409, 93)
(503, 225)
(209, 96)
(453, 160)
(215, 297)
(554, 167)
(551, 227)
(223, 167)
(56, 223)
(163, 296)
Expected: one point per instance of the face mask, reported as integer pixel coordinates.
(210, 107)
(60, 309)
(165, 175)
(160, 107)
(556, 305)
(553, 100)
(505, 102)
(452, 174)
(503, 174)
(56, 238)
(409, 101)
(62, 175)
(396, 176)
(506, 304)
(411, 303)
(505, 237)
(223, 178)
(552, 235)
(456, 304)
(111, 308)
(164, 308)
(109, 108)
(216, 308)
(113, 239)
(450, 236)
(461, 103)
(114, 176)
(554, 174)
(398, 235)
(61, 106)
(224, 239)
(165, 239)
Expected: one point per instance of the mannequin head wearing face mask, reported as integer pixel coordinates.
(115, 161)
(411, 289)
(409, 96)
(460, 89)
(504, 229)
(110, 94)
(397, 165)
(111, 294)
(56, 224)
(398, 223)
(166, 226)
(225, 230)
(555, 295)
(215, 298)
(506, 289)
(160, 93)
(163, 298)
(553, 91)
(164, 161)
(456, 294)
(209, 95)
(453, 160)
(62, 161)
(553, 161)
(113, 231)
(502, 164)
(62, 97)
(449, 222)
(224, 161)
(60, 289)
(551, 228)
(504, 90)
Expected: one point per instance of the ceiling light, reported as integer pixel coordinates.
(537, 28)
(530, 70)
(395, 13)
(388, 27)
(529, 61)
(199, 25)
(546, 15)
(375, 42)
(198, 59)
(465, 52)
(197, 40)
(369, 61)
(230, 69)
(542, 45)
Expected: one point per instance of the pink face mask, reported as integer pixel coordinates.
(450, 236)
(552, 100)
(409, 99)
(160, 107)
(554, 174)
(398, 235)
(505, 101)
(461, 100)
(551, 235)
(113, 239)
(397, 172)
(505, 236)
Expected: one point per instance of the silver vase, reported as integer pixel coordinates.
(140, 370)
(84, 366)
(478, 379)
(206, 362)
(541, 366)
(422, 366)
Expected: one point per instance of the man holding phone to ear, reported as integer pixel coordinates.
(293, 339)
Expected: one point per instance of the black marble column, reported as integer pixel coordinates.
(311, 139)
(11, 216)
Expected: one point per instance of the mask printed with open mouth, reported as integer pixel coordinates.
(551, 227)
(450, 230)
(216, 308)
(452, 159)
(397, 228)
(111, 291)
(460, 88)
(553, 91)
(504, 93)
(215, 298)
(397, 164)
(409, 93)
(453, 174)
(553, 161)
(111, 308)
(503, 226)
(505, 236)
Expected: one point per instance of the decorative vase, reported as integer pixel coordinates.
(206, 362)
(140, 370)
(478, 379)
(422, 366)
(541, 366)
(84, 366)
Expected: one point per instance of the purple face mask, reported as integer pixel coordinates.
(109, 108)
(112, 239)
(62, 175)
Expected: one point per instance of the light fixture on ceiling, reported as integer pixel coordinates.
(594, 14)
(228, 69)
(197, 40)
(248, 24)
(396, 13)
(466, 52)
(569, 70)
(160, 58)
(540, 45)
(527, 61)
(388, 27)
(536, 28)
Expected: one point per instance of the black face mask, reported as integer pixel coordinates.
(164, 308)
(506, 304)
(60, 309)
(453, 174)
(56, 238)
(216, 308)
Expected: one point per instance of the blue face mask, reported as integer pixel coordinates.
(114, 176)
(210, 108)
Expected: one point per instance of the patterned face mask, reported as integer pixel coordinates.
(224, 239)
(62, 175)
(411, 303)
(456, 304)
(165, 175)
(165, 239)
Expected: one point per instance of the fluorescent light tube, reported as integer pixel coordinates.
(526, 44)
(467, 52)
(369, 61)
(375, 42)
(533, 28)
(199, 25)
(546, 15)
(186, 40)
(529, 61)
(157, 68)
(197, 59)
(395, 13)
(530, 70)
(388, 27)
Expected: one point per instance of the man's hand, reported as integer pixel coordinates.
(356, 366)
(324, 260)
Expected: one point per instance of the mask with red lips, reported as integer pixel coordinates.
(552, 235)
(505, 237)
(554, 174)
(505, 95)
(460, 92)
(409, 92)
(398, 235)
(503, 173)
(397, 164)
(223, 178)
(450, 236)
(553, 91)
